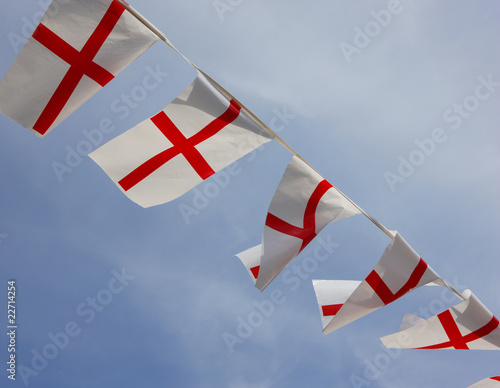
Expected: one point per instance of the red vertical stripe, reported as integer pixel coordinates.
(452, 331)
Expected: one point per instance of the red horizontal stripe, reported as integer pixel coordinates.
(331, 309)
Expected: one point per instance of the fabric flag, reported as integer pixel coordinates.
(331, 296)
(399, 271)
(251, 260)
(492, 382)
(302, 206)
(78, 47)
(201, 132)
(468, 325)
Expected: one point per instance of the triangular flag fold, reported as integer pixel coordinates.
(304, 203)
(200, 133)
(399, 271)
(78, 47)
(468, 325)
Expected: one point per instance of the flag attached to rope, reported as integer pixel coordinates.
(492, 382)
(468, 325)
(201, 132)
(74, 52)
(331, 296)
(302, 206)
(399, 271)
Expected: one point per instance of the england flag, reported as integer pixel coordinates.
(198, 134)
(399, 271)
(304, 203)
(468, 325)
(78, 47)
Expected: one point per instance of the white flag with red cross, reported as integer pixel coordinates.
(399, 271)
(200, 133)
(468, 325)
(78, 47)
(331, 296)
(304, 203)
(492, 382)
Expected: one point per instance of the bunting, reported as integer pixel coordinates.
(72, 54)
(304, 203)
(468, 325)
(399, 271)
(79, 49)
(201, 132)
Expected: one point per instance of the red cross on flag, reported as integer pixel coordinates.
(331, 296)
(78, 47)
(302, 206)
(468, 325)
(201, 132)
(399, 271)
(492, 382)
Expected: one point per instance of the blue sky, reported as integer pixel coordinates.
(354, 115)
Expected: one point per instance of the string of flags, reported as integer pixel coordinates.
(399, 271)
(200, 133)
(304, 203)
